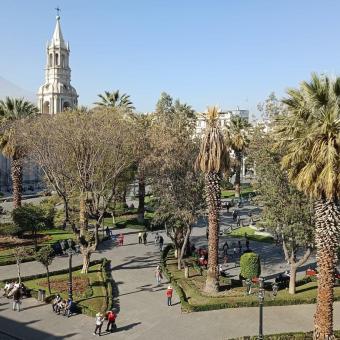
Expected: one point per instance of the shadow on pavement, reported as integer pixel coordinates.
(10, 329)
(35, 306)
(127, 327)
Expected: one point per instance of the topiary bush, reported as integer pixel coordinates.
(250, 265)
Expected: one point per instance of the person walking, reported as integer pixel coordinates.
(156, 239)
(99, 324)
(238, 222)
(235, 213)
(161, 242)
(145, 235)
(227, 206)
(169, 292)
(111, 321)
(121, 239)
(158, 274)
(17, 299)
(239, 247)
(247, 242)
(225, 251)
(140, 241)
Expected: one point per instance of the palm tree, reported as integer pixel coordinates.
(309, 136)
(115, 99)
(13, 110)
(213, 159)
(238, 139)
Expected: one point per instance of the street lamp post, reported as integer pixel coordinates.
(261, 299)
(70, 252)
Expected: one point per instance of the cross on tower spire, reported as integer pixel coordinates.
(58, 11)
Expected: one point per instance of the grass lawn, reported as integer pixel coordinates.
(231, 193)
(236, 297)
(88, 290)
(53, 235)
(240, 232)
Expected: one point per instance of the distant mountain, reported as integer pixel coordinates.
(9, 89)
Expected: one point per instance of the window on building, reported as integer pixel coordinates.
(56, 59)
(51, 59)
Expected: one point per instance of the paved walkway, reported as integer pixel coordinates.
(143, 313)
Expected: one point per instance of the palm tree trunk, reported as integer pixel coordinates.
(237, 183)
(16, 169)
(327, 221)
(212, 184)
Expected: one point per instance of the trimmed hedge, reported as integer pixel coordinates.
(250, 265)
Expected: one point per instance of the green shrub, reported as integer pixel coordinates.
(48, 213)
(250, 265)
(32, 217)
(10, 229)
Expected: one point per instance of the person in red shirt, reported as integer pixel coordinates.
(121, 239)
(111, 321)
(169, 294)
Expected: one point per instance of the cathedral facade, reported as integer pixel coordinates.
(55, 95)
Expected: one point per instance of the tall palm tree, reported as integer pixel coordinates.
(115, 99)
(13, 110)
(213, 159)
(238, 139)
(309, 136)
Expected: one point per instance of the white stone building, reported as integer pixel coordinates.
(57, 94)
(224, 118)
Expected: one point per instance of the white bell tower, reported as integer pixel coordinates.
(57, 94)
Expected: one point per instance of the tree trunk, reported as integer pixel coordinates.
(16, 169)
(237, 182)
(327, 217)
(48, 280)
(86, 261)
(35, 240)
(184, 246)
(66, 210)
(292, 280)
(141, 195)
(82, 214)
(96, 233)
(213, 192)
(124, 197)
(19, 273)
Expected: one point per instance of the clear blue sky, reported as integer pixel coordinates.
(230, 53)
